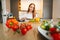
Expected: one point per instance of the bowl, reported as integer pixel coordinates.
(44, 33)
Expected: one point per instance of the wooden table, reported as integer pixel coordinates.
(32, 34)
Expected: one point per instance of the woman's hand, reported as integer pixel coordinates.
(23, 18)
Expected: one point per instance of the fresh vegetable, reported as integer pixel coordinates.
(24, 31)
(59, 23)
(29, 27)
(45, 25)
(32, 20)
(54, 33)
(8, 25)
(52, 30)
(57, 26)
(15, 27)
(37, 19)
(12, 23)
(24, 27)
(56, 36)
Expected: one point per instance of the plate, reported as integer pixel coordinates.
(43, 32)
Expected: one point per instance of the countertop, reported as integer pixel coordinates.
(32, 34)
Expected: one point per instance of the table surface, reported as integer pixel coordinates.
(32, 34)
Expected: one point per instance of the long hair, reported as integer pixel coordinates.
(33, 12)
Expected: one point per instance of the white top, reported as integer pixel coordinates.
(27, 15)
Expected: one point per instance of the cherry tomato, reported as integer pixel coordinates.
(15, 27)
(59, 36)
(52, 30)
(29, 23)
(24, 31)
(29, 27)
(22, 26)
(56, 36)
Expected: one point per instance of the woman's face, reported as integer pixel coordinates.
(31, 8)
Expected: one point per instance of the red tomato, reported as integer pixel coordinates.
(29, 27)
(24, 31)
(15, 27)
(59, 36)
(22, 26)
(8, 25)
(52, 30)
(29, 23)
(56, 36)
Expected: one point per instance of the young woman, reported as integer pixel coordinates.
(31, 12)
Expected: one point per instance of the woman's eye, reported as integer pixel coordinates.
(30, 7)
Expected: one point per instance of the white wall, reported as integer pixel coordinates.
(5, 8)
(25, 4)
(38, 4)
(56, 8)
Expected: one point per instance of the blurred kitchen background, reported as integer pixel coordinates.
(45, 8)
(48, 9)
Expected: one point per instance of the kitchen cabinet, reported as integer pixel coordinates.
(47, 8)
(14, 7)
(0, 12)
(56, 8)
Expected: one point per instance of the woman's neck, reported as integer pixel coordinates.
(30, 12)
